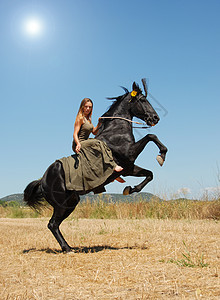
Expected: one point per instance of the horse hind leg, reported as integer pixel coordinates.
(60, 214)
(138, 172)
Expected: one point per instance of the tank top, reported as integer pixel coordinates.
(85, 130)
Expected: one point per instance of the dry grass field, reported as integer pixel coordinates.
(113, 259)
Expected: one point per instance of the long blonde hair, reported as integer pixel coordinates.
(80, 113)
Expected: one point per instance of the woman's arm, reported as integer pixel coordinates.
(96, 129)
(77, 125)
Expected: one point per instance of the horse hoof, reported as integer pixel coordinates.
(127, 190)
(68, 250)
(160, 160)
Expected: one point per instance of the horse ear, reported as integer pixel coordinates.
(135, 86)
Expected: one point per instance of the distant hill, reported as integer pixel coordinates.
(12, 200)
(119, 197)
(13, 197)
(91, 197)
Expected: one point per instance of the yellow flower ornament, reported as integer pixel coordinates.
(133, 93)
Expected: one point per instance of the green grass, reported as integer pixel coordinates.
(189, 259)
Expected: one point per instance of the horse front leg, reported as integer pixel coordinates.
(138, 147)
(138, 172)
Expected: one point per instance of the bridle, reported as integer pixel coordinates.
(126, 120)
(138, 97)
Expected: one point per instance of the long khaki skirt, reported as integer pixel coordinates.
(95, 165)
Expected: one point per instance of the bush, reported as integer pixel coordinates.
(101, 209)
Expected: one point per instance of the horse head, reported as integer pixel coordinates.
(140, 107)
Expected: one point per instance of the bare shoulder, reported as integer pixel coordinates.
(79, 121)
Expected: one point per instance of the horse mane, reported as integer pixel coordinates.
(116, 101)
(112, 107)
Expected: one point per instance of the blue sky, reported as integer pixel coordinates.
(90, 49)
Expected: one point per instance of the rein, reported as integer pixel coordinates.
(128, 121)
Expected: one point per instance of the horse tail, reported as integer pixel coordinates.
(33, 195)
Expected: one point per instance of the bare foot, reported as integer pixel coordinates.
(118, 169)
(119, 179)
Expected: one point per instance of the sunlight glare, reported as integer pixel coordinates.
(33, 27)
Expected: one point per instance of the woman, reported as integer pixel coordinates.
(95, 157)
(83, 127)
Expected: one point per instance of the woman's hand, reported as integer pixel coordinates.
(78, 147)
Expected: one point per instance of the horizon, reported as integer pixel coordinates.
(134, 195)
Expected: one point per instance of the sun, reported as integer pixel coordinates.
(33, 26)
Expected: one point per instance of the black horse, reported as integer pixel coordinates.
(116, 131)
